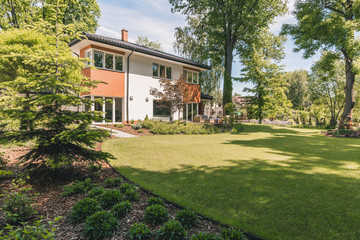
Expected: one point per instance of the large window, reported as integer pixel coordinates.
(190, 111)
(107, 60)
(110, 107)
(191, 77)
(161, 109)
(161, 71)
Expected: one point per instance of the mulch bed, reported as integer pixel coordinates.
(342, 133)
(128, 129)
(50, 205)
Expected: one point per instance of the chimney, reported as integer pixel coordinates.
(124, 35)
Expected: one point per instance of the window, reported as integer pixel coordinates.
(191, 77)
(109, 61)
(161, 71)
(161, 109)
(155, 70)
(88, 55)
(119, 63)
(195, 78)
(98, 58)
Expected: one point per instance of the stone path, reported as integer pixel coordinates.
(115, 132)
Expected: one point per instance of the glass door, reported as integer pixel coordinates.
(109, 109)
(118, 109)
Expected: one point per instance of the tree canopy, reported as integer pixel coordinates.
(146, 42)
(297, 89)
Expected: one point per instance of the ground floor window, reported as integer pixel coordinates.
(110, 106)
(190, 111)
(161, 109)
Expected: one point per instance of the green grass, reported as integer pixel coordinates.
(277, 183)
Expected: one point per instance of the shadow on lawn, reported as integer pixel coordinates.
(314, 194)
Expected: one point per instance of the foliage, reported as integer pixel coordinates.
(136, 126)
(297, 88)
(5, 174)
(83, 14)
(94, 167)
(96, 192)
(38, 230)
(140, 131)
(172, 230)
(139, 231)
(156, 214)
(187, 218)
(225, 28)
(3, 160)
(173, 94)
(329, 25)
(233, 234)
(113, 182)
(100, 225)
(83, 209)
(146, 118)
(119, 125)
(121, 209)
(144, 41)
(109, 198)
(125, 186)
(155, 200)
(204, 236)
(132, 195)
(132, 121)
(78, 187)
(18, 203)
(260, 68)
(39, 61)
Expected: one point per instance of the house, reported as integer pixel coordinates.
(127, 71)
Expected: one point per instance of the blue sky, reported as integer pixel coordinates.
(154, 19)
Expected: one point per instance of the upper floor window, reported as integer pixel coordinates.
(191, 77)
(106, 60)
(161, 71)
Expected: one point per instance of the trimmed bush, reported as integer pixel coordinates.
(187, 218)
(131, 195)
(121, 209)
(156, 214)
(78, 187)
(205, 236)
(136, 126)
(96, 192)
(83, 209)
(140, 131)
(139, 231)
(232, 234)
(109, 198)
(155, 200)
(113, 182)
(100, 225)
(172, 230)
(126, 186)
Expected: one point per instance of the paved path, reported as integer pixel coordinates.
(115, 132)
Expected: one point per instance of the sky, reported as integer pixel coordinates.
(154, 19)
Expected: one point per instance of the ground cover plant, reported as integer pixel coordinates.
(271, 181)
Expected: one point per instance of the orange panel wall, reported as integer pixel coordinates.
(193, 92)
(113, 83)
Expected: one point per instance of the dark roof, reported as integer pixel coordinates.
(206, 97)
(138, 48)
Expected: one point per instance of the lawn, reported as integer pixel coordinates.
(276, 183)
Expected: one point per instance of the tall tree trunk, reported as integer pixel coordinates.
(228, 88)
(346, 117)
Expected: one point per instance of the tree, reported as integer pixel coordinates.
(174, 95)
(20, 13)
(228, 26)
(62, 136)
(144, 41)
(329, 25)
(261, 70)
(326, 85)
(297, 89)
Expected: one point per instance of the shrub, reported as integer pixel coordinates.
(140, 131)
(109, 198)
(156, 214)
(146, 118)
(96, 192)
(119, 125)
(83, 209)
(3, 160)
(39, 230)
(172, 230)
(139, 231)
(126, 186)
(94, 167)
(232, 234)
(121, 209)
(17, 204)
(100, 225)
(131, 195)
(113, 182)
(132, 121)
(187, 218)
(204, 236)
(136, 126)
(155, 200)
(78, 187)
(5, 174)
